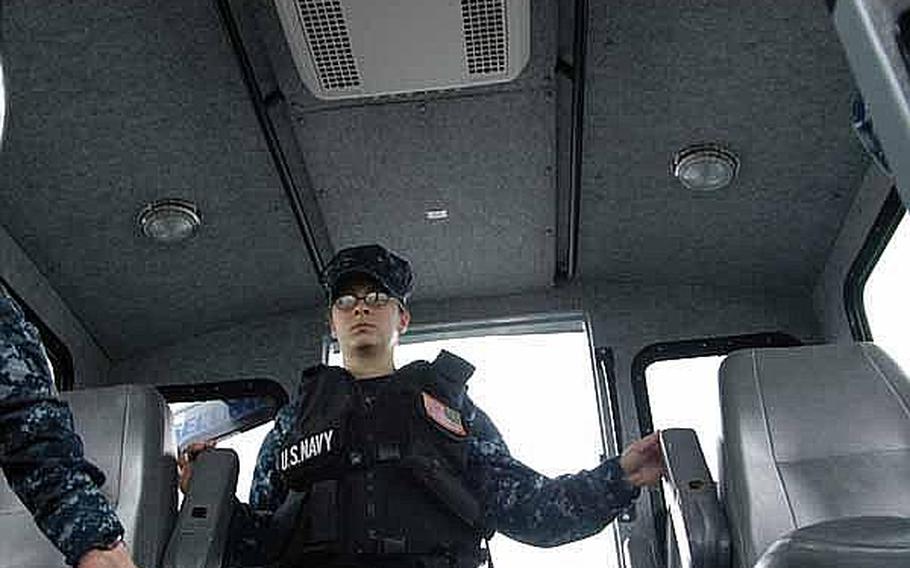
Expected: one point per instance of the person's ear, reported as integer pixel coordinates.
(331, 322)
(404, 319)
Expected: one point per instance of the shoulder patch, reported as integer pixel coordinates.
(438, 412)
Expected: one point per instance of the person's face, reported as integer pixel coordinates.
(367, 328)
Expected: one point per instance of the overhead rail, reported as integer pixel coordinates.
(270, 133)
(570, 103)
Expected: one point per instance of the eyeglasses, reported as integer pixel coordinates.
(347, 302)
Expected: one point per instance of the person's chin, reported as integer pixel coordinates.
(364, 341)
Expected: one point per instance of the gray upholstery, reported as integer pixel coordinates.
(853, 542)
(127, 433)
(811, 434)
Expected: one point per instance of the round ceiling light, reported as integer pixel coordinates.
(169, 221)
(705, 167)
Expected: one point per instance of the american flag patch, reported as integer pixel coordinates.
(448, 418)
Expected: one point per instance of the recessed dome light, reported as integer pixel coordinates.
(705, 167)
(169, 220)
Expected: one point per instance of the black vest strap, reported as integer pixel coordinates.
(452, 373)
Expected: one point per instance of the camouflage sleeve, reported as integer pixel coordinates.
(534, 509)
(40, 453)
(253, 525)
(268, 490)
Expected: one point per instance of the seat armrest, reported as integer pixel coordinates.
(694, 511)
(199, 540)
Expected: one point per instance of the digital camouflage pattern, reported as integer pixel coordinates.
(386, 267)
(519, 502)
(40, 453)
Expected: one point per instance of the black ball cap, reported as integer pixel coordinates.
(391, 271)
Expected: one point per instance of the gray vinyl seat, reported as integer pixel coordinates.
(816, 456)
(127, 433)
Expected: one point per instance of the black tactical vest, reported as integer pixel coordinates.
(379, 479)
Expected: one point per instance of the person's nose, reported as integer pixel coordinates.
(361, 307)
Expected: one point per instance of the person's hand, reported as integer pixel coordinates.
(643, 462)
(117, 557)
(185, 461)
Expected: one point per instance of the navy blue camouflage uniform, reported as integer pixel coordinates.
(516, 500)
(40, 453)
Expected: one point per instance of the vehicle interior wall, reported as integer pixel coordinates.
(90, 364)
(828, 296)
(277, 348)
(626, 317)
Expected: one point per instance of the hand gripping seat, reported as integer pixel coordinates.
(815, 458)
(127, 433)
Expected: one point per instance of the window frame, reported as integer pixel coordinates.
(877, 239)
(607, 392)
(610, 419)
(225, 390)
(520, 325)
(57, 351)
(687, 349)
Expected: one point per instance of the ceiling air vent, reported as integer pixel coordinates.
(367, 48)
(485, 38)
(327, 36)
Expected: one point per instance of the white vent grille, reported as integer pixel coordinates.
(330, 43)
(346, 49)
(485, 38)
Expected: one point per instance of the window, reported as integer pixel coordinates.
(57, 353)
(247, 445)
(877, 283)
(684, 394)
(236, 414)
(538, 388)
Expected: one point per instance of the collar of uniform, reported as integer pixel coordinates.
(403, 371)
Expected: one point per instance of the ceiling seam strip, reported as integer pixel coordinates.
(269, 132)
(568, 182)
(423, 97)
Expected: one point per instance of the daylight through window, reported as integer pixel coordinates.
(884, 297)
(684, 393)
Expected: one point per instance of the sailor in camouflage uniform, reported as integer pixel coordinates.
(372, 466)
(42, 456)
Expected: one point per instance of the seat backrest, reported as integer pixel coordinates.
(127, 433)
(811, 434)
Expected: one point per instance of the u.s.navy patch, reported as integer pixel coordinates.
(448, 418)
(305, 449)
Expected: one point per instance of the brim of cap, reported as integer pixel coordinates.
(345, 277)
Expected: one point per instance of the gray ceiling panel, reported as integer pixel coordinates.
(114, 105)
(768, 80)
(378, 169)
